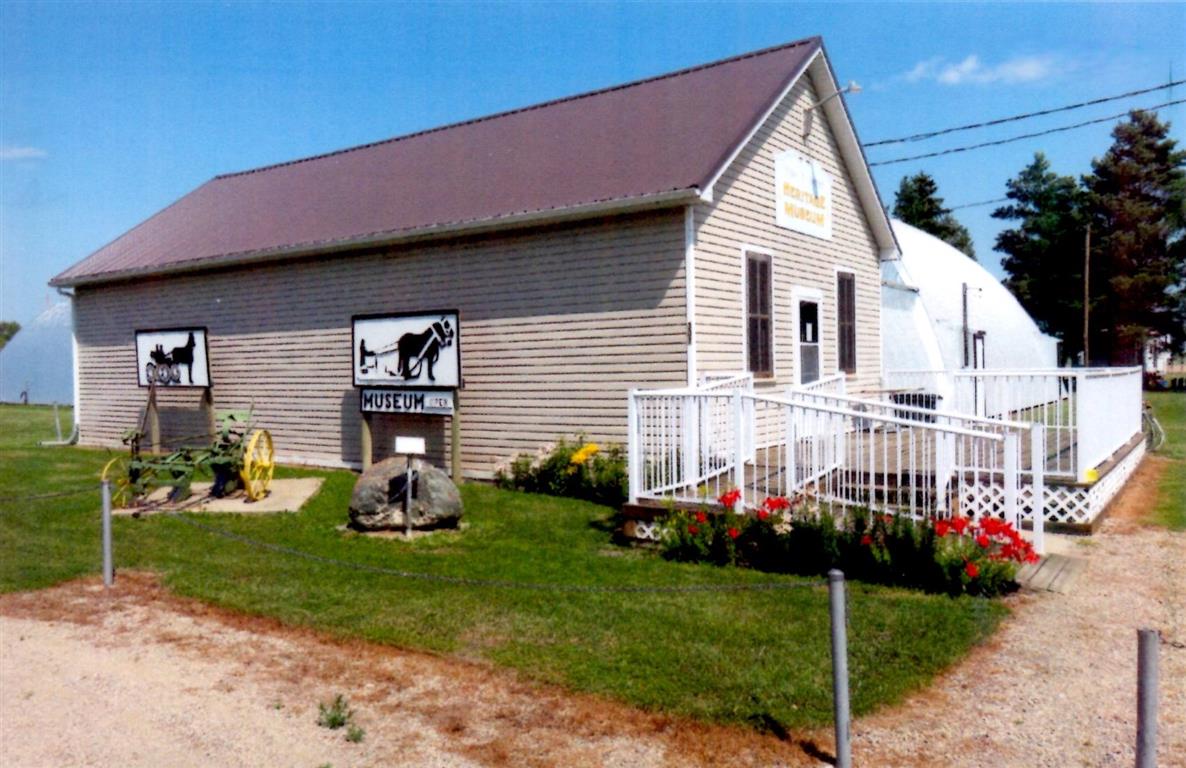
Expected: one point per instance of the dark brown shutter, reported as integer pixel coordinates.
(846, 320)
(759, 328)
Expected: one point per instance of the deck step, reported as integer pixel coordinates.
(1053, 573)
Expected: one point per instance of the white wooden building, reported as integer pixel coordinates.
(716, 219)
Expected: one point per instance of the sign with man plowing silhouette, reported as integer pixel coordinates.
(421, 351)
(172, 357)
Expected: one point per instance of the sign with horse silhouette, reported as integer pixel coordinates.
(172, 357)
(421, 351)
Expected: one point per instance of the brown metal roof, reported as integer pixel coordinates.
(635, 141)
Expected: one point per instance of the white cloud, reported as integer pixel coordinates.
(1019, 69)
(22, 153)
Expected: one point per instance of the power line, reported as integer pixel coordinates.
(982, 202)
(1026, 116)
(1022, 136)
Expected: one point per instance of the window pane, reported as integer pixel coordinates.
(809, 370)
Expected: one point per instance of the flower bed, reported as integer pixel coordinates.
(955, 555)
(579, 470)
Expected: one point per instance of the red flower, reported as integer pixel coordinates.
(763, 514)
(982, 541)
(701, 517)
(972, 570)
(693, 530)
(775, 503)
(733, 533)
(730, 499)
(942, 528)
(960, 524)
(1032, 557)
(866, 540)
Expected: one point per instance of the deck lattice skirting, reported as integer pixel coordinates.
(1075, 505)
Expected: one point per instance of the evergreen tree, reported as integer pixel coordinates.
(1137, 203)
(917, 203)
(1044, 251)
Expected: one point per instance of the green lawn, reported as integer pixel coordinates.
(754, 658)
(1170, 409)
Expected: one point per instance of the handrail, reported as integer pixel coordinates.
(1092, 371)
(725, 380)
(681, 392)
(838, 411)
(917, 409)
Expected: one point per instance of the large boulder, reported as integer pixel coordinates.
(377, 503)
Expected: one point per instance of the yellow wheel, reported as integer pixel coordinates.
(123, 490)
(258, 465)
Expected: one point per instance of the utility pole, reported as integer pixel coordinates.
(1086, 296)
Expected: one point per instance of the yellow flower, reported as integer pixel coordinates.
(585, 453)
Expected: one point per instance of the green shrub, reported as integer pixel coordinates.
(955, 556)
(579, 470)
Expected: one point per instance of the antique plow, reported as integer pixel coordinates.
(233, 459)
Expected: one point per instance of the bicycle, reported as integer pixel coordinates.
(1154, 434)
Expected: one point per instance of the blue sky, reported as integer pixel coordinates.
(109, 112)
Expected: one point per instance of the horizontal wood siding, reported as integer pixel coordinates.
(557, 325)
(743, 213)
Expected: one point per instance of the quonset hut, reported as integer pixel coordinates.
(941, 311)
(716, 219)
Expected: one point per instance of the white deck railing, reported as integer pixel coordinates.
(1089, 413)
(693, 444)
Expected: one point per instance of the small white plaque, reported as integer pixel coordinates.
(409, 446)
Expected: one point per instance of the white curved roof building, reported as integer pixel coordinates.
(922, 313)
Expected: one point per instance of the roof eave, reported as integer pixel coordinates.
(845, 132)
(710, 184)
(846, 138)
(656, 200)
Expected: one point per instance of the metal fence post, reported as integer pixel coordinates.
(1148, 642)
(108, 565)
(840, 706)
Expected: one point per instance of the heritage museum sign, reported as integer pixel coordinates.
(407, 363)
(172, 357)
(802, 195)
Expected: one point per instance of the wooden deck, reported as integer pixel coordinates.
(893, 451)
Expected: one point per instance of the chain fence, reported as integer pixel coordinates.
(77, 491)
(491, 583)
